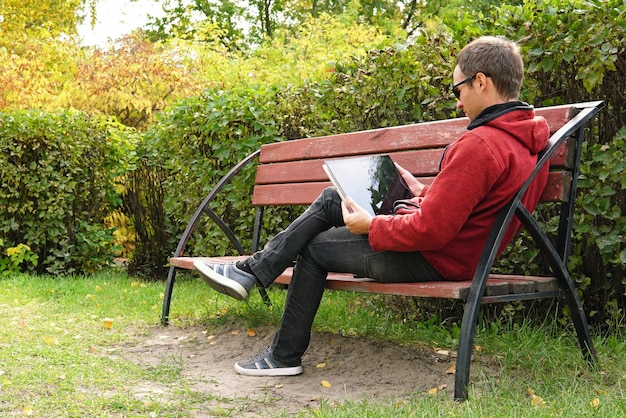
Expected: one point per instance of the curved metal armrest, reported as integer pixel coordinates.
(204, 207)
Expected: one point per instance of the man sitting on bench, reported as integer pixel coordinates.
(439, 237)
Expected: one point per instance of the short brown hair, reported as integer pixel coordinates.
(497, 57)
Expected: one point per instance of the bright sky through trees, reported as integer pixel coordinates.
(115, 18)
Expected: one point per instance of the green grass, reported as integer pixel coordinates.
(61, 337)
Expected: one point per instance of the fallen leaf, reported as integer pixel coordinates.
(236, 332)
(210, 337)
(433, 391)
(251, 333)
(108, 323)
(326, 384)
(595, 402)
(451, 369)
(320, 365)
(279, 386)
(442, 387)
(537, 401)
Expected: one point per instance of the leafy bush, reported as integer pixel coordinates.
(15, 259)
(58, 173)
(194, 144)
(389, 87)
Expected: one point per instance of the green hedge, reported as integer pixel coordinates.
(58, 176)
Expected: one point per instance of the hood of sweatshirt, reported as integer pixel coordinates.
(517, 119)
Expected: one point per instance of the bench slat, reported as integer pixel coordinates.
(306, 193)
(419, 163)
(436, 134)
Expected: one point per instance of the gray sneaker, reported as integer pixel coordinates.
(265, 364)
(226, 278)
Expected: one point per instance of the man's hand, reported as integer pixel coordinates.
(356, 218)
(414, 185)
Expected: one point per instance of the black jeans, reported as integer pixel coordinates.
(319, 242)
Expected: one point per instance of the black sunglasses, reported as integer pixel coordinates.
(455, 88)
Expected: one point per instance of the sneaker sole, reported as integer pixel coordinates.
(279, 371)
(220, 283)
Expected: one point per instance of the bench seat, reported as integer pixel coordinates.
(499, 287)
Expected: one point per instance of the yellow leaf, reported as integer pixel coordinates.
(251, 333)
(595, 402)
(537, 401)
(320, 365)
(433, 391)
(27, 410)
(451, 369)
(108, 323)
(326, 384)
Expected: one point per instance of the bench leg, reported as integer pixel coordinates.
(464, 351)
(579, 319)
(167, 297)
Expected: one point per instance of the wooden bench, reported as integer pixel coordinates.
(290, 173)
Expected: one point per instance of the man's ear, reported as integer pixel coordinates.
(481, 80)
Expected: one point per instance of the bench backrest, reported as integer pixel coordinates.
(291, 173)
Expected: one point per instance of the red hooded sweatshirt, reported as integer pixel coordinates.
(479, 174)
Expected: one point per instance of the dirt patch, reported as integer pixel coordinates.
(356, 369)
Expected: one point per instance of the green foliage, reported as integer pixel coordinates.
(600, 228)
(58, 173)
(15, 257)
(196, 143)
(291, 58)
(388, 87)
